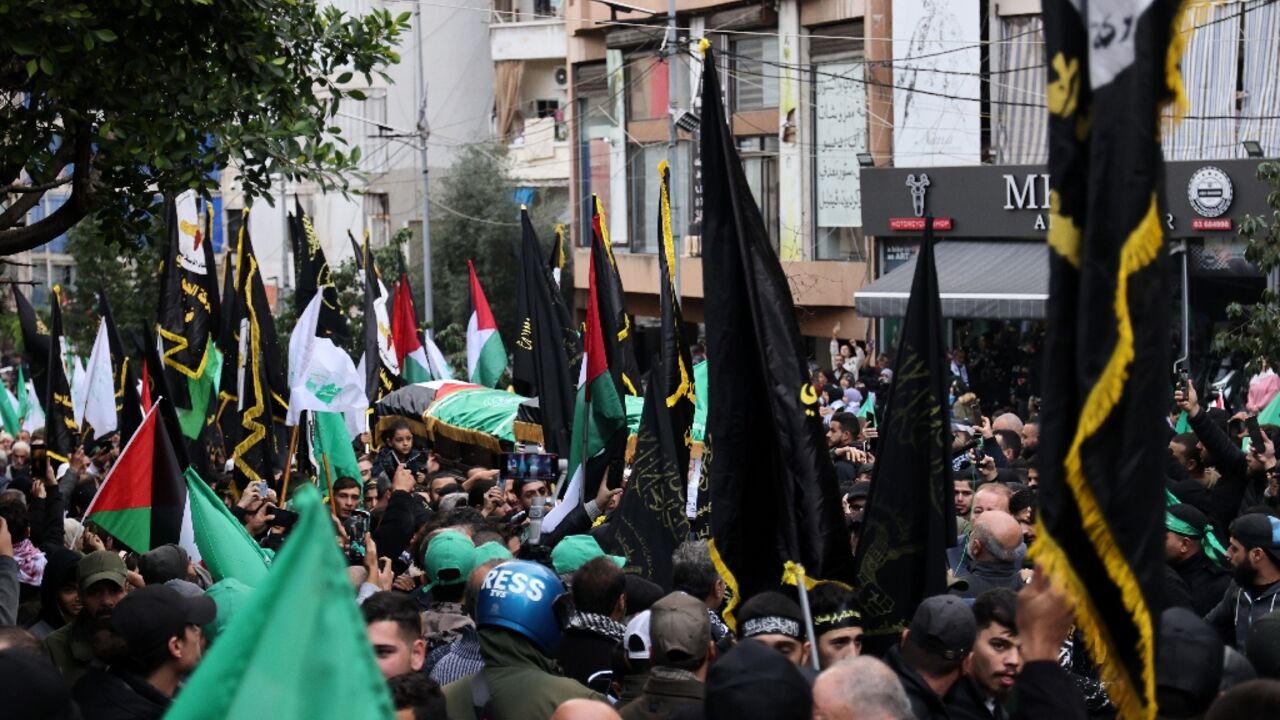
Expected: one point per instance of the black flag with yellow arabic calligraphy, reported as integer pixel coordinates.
(615, 322)
(188, 293)
(651, 520)
(1112, 67)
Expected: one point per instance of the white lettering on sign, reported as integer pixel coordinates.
(1031, 194)
(499, 582)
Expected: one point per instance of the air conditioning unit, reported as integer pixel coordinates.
(562, 76)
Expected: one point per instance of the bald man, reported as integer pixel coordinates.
(993, 548)
(860, 688)
(1007, 421)
(585, 710)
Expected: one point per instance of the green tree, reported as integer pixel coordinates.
(116, 99)
(131, 280)
(1255, 329)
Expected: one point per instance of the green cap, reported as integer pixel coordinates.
(491, 550)
(230, 595)
(100, 565)
(577, 550)
(449, 558)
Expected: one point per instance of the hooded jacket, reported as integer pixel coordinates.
(524, 684)
(925, 703)
(1239, 608)
(118, 695)
(665, 691)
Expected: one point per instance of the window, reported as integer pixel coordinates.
(760, 163)
(596, 121)
(643, 185)
(647, 89)
(377, 211)
(755, 73)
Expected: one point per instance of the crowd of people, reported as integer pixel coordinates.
(472, 611)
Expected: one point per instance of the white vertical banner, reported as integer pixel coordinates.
(937, 63)
(840, 133)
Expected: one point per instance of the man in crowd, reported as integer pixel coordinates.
(1188, 541)
(990, 496)
(837, 623)
(929, 661)
(680, 651)
(448, 561)
(161, 631)
(394, 626)
(841, 433)
(1187, 451)
(992, 668)
(595, 631)
(1030, 438)
(859, 688)
(102, 579)
(1237, 470)
(775, 620)
(993, 553)
(1254, 553)
(1010, 444)
(346, 497)
(693, 572)
(963, 503)
(519, 637)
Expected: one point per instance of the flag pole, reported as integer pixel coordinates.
(288, 463)
(328, 478)
(808, 615)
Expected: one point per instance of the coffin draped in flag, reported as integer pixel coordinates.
(143, 500)
(540, 364)
(651, 519)
(599, 418)
(61, 433)
(184, 324)
(615, 323)
(908, 523)
(1111, 67)
(772, 484)
(486, 356)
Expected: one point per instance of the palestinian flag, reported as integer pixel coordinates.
(143, 501)
(486, 357)
(599, 419)
(414, 367)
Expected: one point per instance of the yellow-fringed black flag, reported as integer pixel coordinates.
(61, 434)
(35, 345)
(651, 520)
(614, 320)
(184, 323)
(1112, 65)
(773, 486)
(382, 369)
(557, 260)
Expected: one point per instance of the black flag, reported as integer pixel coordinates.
(1101, 524)
(61, 435)
(908, 523)
(184, 323)
(541, 364)
(313, 275)
(773, 486)
(124, 371)
(35, 345)
(380, 370)
(651, 520)
(557, 260)
(614, 320)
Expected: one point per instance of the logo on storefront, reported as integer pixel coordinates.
(918, 186)
(1210, 192)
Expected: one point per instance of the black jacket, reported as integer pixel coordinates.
(662, 696)
(588, 657)
(1205, 580)
(969, 702)
(1230, 462)
(987, 575)
(118, 695)
(925, 703)
(1045, 690)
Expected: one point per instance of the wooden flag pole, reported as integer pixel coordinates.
(328, 478)
(288, 464)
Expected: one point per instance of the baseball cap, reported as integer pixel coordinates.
(149, 616)
(575, 551)
(636, 636)
(860, 489)
(1263, 645)
(449, 558)
(1255, 530)
(167, 562)
(679, 631)
(230, 595)
(100, 565)
(491, 550)
(944, 626)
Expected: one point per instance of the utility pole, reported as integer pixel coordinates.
(673, 142)
(424, 131)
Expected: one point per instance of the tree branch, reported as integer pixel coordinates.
(17, 239)
(37, 188)
(15, 212)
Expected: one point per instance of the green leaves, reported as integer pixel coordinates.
(1255, 329)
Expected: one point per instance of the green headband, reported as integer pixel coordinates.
(1212, 547)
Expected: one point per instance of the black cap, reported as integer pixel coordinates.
(164, 563)
(754, 681)
(944, 626)
(1189, 515)
(860, 489)
(1189, 661)
(149, 616)
(1256, 530)
(770, 613)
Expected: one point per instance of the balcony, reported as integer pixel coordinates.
(537, 156)
(526, 30)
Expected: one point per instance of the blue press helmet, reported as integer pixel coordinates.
(526, 598)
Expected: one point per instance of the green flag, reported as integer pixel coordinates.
(298, 646)
(331, 438)
(9, 410)
(225, 547)
(1270, 414)
(1184, 423)
(201, 390)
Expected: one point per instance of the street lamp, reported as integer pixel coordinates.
(1253, 148)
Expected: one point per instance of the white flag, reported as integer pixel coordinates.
(35, 414)
(321, 374)
(99, 395)
(439, 367)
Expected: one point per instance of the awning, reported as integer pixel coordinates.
(1006, 280)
